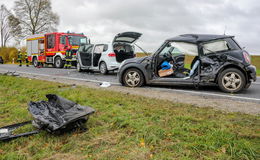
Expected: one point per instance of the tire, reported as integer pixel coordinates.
(103, 68)
(79, 67)
(231, 80)
(133, 78)
(35, 62)
(58, 63)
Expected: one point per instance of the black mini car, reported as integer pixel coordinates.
(1, 60)
(212, 59)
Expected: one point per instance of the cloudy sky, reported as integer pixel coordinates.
(160, 19)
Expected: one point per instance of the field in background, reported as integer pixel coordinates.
(256, 62)
(127, 127)
(188, 60)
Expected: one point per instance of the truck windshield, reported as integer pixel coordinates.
(77, 40)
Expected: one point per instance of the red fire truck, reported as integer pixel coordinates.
(51, 48)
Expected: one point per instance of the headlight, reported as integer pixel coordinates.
(247, 57)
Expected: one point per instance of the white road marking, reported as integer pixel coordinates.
(64, 77)
(177, 90)
(210, 94)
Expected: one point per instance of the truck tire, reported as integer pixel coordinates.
(231, 80)
(35, 62)
(58, 63)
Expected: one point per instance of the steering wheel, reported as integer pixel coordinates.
(168, 55)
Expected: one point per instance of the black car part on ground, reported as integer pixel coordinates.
(6, 133)
(57, 115)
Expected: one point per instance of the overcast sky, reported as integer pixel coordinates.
(160, 19)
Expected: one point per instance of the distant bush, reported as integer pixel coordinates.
(8, 53)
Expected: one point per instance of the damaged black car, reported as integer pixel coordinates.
(193, 59)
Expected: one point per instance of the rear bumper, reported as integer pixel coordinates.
(251, 71)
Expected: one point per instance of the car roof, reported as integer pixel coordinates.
(198, 38)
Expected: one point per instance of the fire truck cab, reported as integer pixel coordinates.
(51, 48)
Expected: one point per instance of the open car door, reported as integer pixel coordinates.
(85, 55)
(127, 37)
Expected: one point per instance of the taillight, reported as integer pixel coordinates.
(247, 57)
(111, 55)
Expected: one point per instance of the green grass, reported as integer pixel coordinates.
(256, 62)
(127, 127)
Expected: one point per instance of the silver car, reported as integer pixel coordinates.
(107, 56)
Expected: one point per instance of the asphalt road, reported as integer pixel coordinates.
(251, 94)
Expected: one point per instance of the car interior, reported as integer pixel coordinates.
(123, 51)
(184, 64)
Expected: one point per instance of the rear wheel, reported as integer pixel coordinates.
(133, 78)
(103, 68)
(35, 62)
(231, 80)
(58, 63)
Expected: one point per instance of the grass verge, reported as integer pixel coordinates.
(127, 127)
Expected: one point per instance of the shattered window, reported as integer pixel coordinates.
(216, 46)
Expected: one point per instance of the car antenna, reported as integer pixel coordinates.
(141, 49)
(225, 30)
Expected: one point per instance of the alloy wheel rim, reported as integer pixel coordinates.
(231, 81)
(132, 78)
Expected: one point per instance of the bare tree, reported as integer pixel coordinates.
(5, 34)
(35, 16)
(15, 27)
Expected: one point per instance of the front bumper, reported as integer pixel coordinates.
(251, 71)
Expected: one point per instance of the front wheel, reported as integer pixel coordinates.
(231, 80)
(133, 78)
(58, 63)
(103, 68)
(79, 67)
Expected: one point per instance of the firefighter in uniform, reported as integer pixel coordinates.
(19, 58)
(68, 58)
(26, 59)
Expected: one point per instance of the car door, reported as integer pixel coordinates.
(97, 52)
(85, 55)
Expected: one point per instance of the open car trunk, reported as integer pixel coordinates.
(123, 52)
(122, 45)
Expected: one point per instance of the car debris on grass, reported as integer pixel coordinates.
(57, 115)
